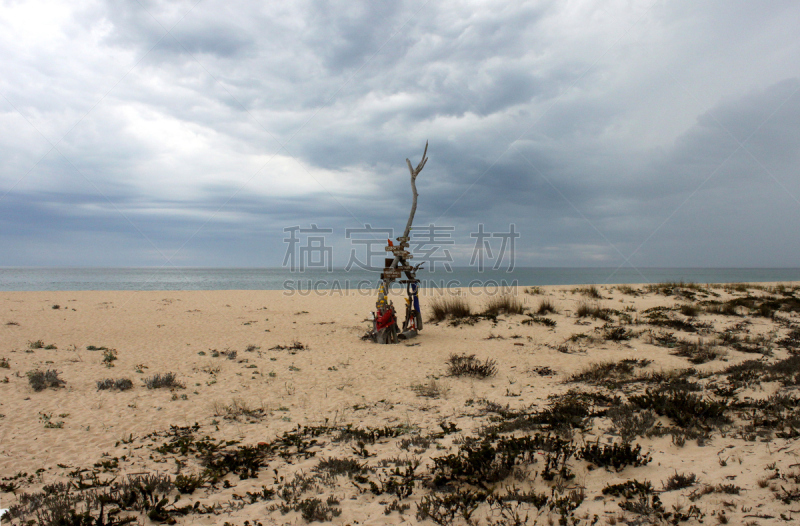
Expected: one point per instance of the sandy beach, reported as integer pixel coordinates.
(659, 404)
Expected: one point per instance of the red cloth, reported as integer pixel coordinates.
(386, 319)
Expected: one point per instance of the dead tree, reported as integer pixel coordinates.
(385, 328)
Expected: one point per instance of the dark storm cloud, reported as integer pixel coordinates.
(608, 134)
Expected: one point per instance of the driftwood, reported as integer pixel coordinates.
(399, 263)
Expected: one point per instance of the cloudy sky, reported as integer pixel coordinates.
(192, 133)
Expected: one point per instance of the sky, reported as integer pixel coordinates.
(204, 132)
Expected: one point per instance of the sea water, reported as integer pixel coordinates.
(193, 278)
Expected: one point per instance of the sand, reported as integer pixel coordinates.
(239, 385)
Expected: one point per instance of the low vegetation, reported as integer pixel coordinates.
(121, 384)
(468, 365)
(444, 307)
(166, 380)
(505, 304)
(41, 380)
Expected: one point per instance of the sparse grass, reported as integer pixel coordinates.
(432, 389)
(616, 333)
(630, 422)
(723, 309)
(590, 292)
(697, 352)
(341, 466)
(468, 365)
(690, 310)
(628, 290)
(533, 290)
(679, 481)
(4, 363)
(158, 381)
(503, 304)
(452, 306)
(416, 441)
(673, 288)
(236, 409)
(546, 307)
(592, 310)
(295, 346)
(41, 380)
(608, 373)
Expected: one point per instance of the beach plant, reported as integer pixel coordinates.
(451, 306)
(4, 363)
(187, 484)
(628, 290)
(547, 322)
(294, 346)
(616, 333)
(690, 310)
(341, 466)
(686, 409)
(419, 442)
(617, 456)
(468, 365)
(638, 497)
(47, 420)
(546, 307)
(630, 422)
(503, 304)
(591, 291)
(121, 384)
(431, 389)
(41, 380)
(311, 509)
(592, 310)
(679, 481)
(38, 344)
(610, 374)
(697, 352)
(399, 482)
(158, 381)
(109, 357)
(443, 509)
(236, 409)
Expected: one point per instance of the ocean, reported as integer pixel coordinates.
(193, 278)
